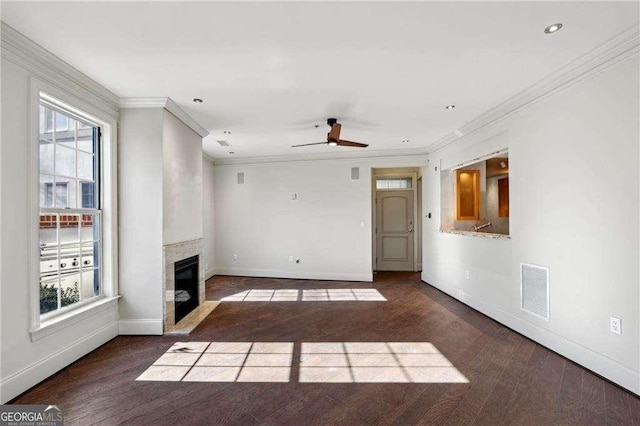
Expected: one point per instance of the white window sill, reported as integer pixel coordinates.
(59, 322)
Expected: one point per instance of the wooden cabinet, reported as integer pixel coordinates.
(468, 195)
(503, 197)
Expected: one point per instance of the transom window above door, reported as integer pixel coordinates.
(394, 183)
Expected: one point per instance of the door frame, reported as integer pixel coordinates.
(394, 173)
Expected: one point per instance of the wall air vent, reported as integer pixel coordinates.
(223, 143)
(534, 290)
(240, 178)
(355, 173)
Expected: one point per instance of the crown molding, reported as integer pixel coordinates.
(169, 105)
(208, 158)
(619, 48)
(323, 156)
(44, 65)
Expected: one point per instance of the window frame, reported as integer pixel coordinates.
(76, 210)
(93, 110)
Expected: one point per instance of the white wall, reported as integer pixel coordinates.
(259, 221)
(141, 220)
(574, 206)
(25, 362)
(182, 202)
(208, 216)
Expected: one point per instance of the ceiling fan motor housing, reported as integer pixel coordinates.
(331, 121)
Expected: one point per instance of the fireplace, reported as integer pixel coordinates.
(187, 280)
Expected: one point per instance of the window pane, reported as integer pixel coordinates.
(62, 122)
(46, 157)
(65, 161)
(48, 117)
(69, 289)
(85, 166)
(69, 229)
(90, 228)
(48, 295)
(90, 283)
(85, 139)
(87, 195)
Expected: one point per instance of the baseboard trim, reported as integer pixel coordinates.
(33, 374)
(586, 357)
(209, 273)
(144, 327)
(266, 273)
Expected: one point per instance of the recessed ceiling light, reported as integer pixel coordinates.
(197, 100)
(333, 143)
(450, 107)
(552, 28)
(405, 141)
(226, 132)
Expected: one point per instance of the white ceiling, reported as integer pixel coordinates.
(269, 71)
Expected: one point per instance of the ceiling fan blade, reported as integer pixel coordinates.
(334, 134)
(308, 144)
(349, 143)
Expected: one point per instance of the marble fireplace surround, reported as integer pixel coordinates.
(172, 253)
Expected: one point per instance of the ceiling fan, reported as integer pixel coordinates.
(333, 137)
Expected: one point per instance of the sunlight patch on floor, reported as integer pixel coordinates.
(307, 295)
(375, 362)
(319, 362)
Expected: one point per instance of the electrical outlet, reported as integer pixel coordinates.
(466, 275)
(290, 258)
(616, 325)
(235, 256)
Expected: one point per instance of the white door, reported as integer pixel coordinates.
(394, 231)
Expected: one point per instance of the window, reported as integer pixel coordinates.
(393, 183)
(70, 216)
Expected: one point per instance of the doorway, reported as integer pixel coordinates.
(395, 209)
(395, 230)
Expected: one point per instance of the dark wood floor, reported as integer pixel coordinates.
(512, 380)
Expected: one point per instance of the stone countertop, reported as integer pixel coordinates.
(476, 234)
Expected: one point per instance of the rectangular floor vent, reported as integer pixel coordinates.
(355, 173)
(240, 178)
(534, 290)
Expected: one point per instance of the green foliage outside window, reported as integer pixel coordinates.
(49, 297)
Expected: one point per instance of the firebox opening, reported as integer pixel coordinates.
(186, 286)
